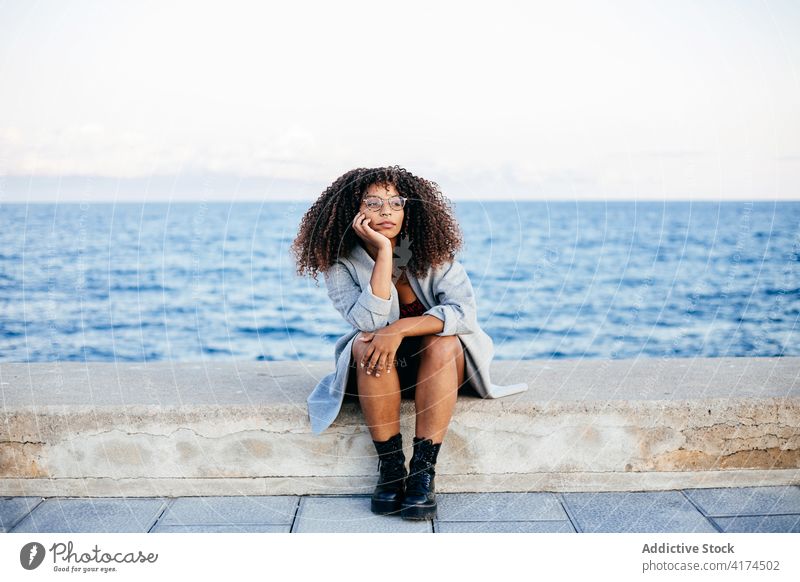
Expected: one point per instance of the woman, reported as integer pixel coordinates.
(386, 241)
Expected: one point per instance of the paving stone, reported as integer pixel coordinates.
(503, 526)
(636, 511)
(499, 507)
(224, 510)
(736, 501)
(760, 524)
(101, 515)
(231, 528)
(350, 514)
(12, 509)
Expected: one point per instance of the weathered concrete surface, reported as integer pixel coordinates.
(241, 428)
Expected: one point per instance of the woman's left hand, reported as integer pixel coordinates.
(381, 352)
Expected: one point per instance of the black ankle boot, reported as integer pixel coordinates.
(420, 498)
(388, 493)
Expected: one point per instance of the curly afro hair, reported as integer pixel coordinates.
(326, 230)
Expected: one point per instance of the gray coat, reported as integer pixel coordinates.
(446, 293)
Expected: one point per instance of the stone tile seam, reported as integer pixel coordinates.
(503, 521)
(709, 514)
(295, 515)
(699, 509)
(215, 523)
(360, 495)
(734, 515)
(169, 501)
(568, 510)
(26, 514)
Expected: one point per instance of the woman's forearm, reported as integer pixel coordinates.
(418, 325)
(381, 280)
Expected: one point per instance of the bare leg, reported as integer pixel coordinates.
(441, 373)
(379, 397)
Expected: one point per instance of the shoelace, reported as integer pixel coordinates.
(394, 471)
(420, 480)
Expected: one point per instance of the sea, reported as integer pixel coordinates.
(133, 282)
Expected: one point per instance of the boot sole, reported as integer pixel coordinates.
(385, 507)
(418, 512)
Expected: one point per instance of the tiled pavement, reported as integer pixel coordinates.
(741, 509)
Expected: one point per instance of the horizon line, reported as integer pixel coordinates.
(462, 200)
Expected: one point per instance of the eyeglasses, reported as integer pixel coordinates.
(375, 204)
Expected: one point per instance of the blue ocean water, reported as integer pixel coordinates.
(189, 281)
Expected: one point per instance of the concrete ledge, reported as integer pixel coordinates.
(241, 428)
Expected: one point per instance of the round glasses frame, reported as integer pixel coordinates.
(374, 203)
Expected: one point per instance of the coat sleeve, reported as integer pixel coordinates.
(456, 300)
(362, 309)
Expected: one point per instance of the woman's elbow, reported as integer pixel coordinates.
(369, 325)
(468, 324)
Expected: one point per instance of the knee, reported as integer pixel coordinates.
(359, 353)
(440, 349)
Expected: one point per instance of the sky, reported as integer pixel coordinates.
(639, 100)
